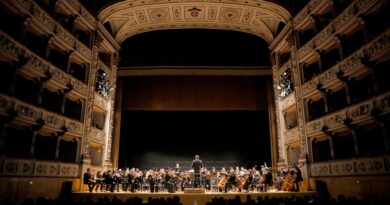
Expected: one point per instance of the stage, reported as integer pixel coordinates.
(191, 198)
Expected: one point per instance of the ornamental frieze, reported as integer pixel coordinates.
(24, 167)
(53, 120)
(43, 17)
(344, 17)
(315, 126)
(74, 127)
(10, 47)
(238, 15)
(379, 44)
(362, 166)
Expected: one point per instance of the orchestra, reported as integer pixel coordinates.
(171, 180)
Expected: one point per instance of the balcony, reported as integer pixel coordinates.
(99, 101)
(288, 101)
(302, 19)
(363, 166)
(73, 7)
(346, 22)
(291, 135)
(29, 167)
(45, 24)
(360, 113)
(352, 66)
(97, 135)
(27, 114)
(37, 67)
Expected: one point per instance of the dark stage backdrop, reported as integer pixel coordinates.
(160, 139)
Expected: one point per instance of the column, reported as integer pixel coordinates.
(303, 162)
(115, 115)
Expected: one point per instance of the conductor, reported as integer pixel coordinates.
(197, 165)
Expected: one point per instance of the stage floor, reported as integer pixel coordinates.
(191, 198)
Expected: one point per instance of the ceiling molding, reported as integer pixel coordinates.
(257, 17)
(194, 70)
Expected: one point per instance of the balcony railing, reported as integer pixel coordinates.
(359, 113)
(97, 135)
(340, 24)
(83, 15)
(351, 66)
(37, 67)
(30, 167)
(44, 21)
(291, 135)
(288, 101)
(100, 101)
(312, 7)
(31, 115)
(363, 166)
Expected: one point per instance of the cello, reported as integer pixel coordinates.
(221, 184)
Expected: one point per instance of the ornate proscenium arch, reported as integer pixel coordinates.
(257, 17)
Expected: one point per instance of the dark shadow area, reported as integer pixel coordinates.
(195, 47)
(160, 139)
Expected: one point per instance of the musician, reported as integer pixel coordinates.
(110, 182)
(232, 179)
(151, 180)
(197, 165)
(99, 181)
(88, 179)
(268, 178)
(118, 177)
(169, 181)
(207, 180)
(298, 178)
(125, 180)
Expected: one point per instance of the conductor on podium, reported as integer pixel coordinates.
(197, 165)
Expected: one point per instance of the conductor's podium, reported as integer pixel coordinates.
(194, 190)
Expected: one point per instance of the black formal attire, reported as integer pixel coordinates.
(298, 178)
(88, 180)
(231, 181)
(197, 165)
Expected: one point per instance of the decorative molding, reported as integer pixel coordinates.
(288, 101)
(379, 46)
(345, 21)
(37, 67)
(29, 167)
(351, 66)
(364, 166)
(314, 127)
(99, 101)
(358, 113)
(238, 15)
(30, 114)
(97, 135)
(291, 135)
(194, 70)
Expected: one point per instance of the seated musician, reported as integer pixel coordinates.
(88, 179)
(232, 179)
(99, 181)
(151, 180)
(118, 177)
(169, 184)
(110, 182)
(298, 178)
